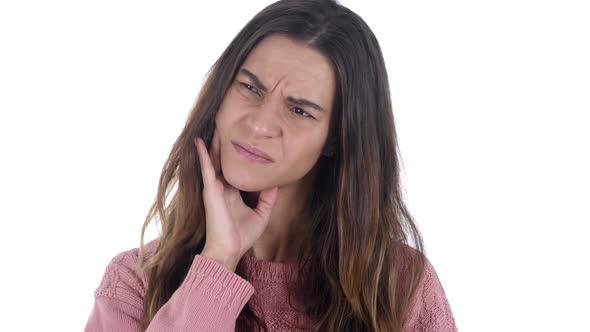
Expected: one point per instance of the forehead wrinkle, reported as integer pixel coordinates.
(274, 87)
(286, 84)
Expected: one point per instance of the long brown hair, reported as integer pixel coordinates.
(361, 271)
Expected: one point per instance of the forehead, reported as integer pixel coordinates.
(297, 67)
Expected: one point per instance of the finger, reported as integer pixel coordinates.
(266, 201)
(207, 170)
(215, 152)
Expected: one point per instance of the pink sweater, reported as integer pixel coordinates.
(211, 297)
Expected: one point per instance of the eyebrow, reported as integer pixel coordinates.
(261, 86)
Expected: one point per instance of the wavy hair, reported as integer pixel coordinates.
(361, 269)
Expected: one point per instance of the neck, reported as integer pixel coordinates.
(279, 241)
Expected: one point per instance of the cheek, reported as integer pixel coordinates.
(230, 110)
(224, 111)
(303, 152)
(224, 118)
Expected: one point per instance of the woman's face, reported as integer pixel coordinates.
(280, 104)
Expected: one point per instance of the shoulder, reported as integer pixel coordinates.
(123, 279)
(430, 309)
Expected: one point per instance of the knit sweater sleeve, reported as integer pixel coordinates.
(209, 299)
(430, 311)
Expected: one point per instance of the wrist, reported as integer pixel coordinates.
(228, 261)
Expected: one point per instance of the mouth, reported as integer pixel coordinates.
(251, 153)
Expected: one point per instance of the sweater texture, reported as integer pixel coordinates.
(211, 297)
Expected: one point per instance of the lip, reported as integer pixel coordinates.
(251, 152)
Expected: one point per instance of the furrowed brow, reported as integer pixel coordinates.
(261, 86)
(254, 79)
(305, 102)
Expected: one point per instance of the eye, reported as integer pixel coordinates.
(249, 87)
(302, 113)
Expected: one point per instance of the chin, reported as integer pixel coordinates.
(242, 179)
(247, 186)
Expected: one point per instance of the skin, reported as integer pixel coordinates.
(294, 135)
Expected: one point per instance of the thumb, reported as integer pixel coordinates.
(266, 201)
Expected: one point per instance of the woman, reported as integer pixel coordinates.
(288, 211)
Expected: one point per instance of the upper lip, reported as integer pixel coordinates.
(250, 148)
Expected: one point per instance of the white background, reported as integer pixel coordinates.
(491, 101)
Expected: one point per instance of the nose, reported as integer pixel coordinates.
(263, 121)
